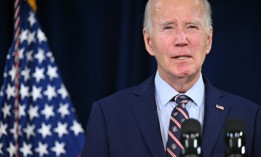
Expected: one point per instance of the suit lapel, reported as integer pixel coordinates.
(145, 112)
(215, 115)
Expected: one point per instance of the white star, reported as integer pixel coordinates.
(31, 37)
(11, 149)
(31, 18)
(3, 128)
(36, 93)
(61, 129)
(23, 35)
(1, 146)
(29, 55)
(47, 111)
(63, 92)
(26, 73)
(33, 112)
(21, 110)
(52, 72)
(21, 53)
(63, 110)
(50, 55)
(45, 130)
(40, 55)
(38, 74)
(16, 130)
(76, 128)
(42, 149)
(58, 148)
(26, 149)
(12, 73)
(8, 57)
(50, 92)
(40, 35)
(10, 91)
(6, 110)
(24, 91)
(5, 75)
(29, 130)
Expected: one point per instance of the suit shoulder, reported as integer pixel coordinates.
(122, 94)
(228, 97)
(128, 95)
(240, 101)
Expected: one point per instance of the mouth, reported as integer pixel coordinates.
(182, 57)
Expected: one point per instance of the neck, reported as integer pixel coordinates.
(182, 85)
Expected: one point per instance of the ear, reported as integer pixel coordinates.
(209, 40)
(147, 41)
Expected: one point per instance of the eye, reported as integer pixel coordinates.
(168, 27)
(192, 27)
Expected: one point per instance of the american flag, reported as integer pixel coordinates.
(37, 117)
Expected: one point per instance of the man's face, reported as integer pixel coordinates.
(180, 38)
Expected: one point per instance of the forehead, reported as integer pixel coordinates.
(177, 8)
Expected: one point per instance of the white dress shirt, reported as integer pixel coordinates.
(164, 93)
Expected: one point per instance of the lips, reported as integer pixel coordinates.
(182, 57)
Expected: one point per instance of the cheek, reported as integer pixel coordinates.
(199, 48)
(164, 43)
(195, 41)
(199, 45)
(160, 45)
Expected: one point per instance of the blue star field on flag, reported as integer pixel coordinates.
(46, 123)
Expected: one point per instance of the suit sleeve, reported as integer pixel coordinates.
(96, 144)
(257, 136)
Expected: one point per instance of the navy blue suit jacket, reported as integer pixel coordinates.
(126, 124)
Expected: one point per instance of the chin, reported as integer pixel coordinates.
(185, 74)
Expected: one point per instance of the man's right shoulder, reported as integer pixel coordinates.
(127, 95)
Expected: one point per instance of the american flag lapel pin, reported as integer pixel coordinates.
(220, 107)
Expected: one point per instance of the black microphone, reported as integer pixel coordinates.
(234, 131)
(191, 138)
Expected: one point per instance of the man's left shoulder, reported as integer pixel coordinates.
(231, 99)
(240, 100)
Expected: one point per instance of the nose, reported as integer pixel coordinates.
(181, 38)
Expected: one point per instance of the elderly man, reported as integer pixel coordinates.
(144, 121)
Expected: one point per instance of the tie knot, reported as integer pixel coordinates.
(181, 100)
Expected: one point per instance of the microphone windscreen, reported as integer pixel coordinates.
(191, 126)
(234, 125)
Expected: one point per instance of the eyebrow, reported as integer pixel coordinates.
(166, 23)
(172, 22)
(194, 23)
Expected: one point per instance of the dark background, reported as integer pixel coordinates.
(99, 48)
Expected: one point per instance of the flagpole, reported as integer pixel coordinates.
(17, 74)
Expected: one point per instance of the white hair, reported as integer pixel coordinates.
(147, 23)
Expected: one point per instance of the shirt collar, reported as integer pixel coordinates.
(165, 92)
